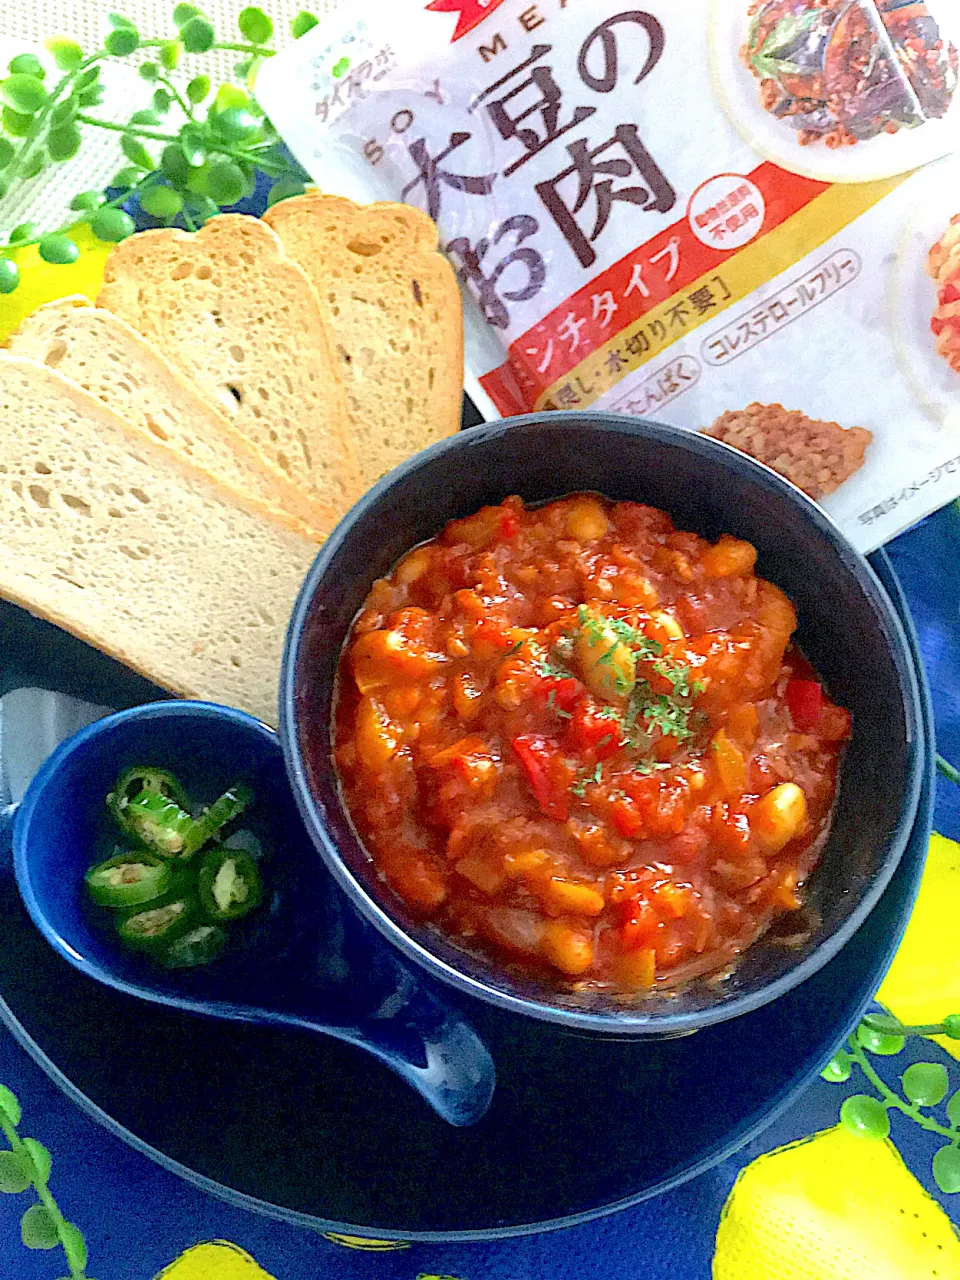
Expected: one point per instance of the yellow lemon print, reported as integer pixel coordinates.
(218, 1260)
(44, 282)
(360, 1242)
(923, 983)
(833, 1207)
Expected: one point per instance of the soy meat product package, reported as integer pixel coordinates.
(737, 216)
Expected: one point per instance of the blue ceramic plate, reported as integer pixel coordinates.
(359, 1153)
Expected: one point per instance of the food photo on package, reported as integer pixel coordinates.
(733, 216)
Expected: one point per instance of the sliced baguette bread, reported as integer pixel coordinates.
(395, 318)
(101, 352)
(108, 535)
(243, 322)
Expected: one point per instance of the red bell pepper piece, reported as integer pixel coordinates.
(590, 731)
(805, 700)
(566, 690)
(509, 524)
(545, 772)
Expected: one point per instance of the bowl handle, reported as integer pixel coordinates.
(429, 1046)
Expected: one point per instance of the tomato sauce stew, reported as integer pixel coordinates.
(580, 741)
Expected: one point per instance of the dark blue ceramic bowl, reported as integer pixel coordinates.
(848, 628)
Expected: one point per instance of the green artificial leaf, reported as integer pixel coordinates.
(40, 1158)
(865, 1116)
(170, 52)
(9, 275)
(63, 143)
(951, 1026)
(14, 1176)
(197, 89)
(953, 1110)
(119, 20)
(74, 1246)
(878, 1042)
(85, 201)
(197, 182)
(285, 187)
(27, 64)
(136, 152)
(837, 1069)
(92, 96)
(255, 25)
(59, 250)
(225, 183)
(197, 35)
(200, 208)
(242, 68)
(302, 23)
(229, 95)
(67, 54)
(9, 1102)
(63, 113)
(235, 124)
(112, 225)
(128, 177)
(150, 70)
(193, 146)
(19, 234)
(174, 166)
(122, 41)
(146, 116)
(925, 1083)
(161, 101)
(17, 125)
(946, 1169)
(161, 202)
(23, 93)
(87, 78)
(38, 1230)
(7, 152)
(184, 12)
(33, 165)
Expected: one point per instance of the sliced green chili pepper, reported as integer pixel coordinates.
(201, 945)
(128, 879)
(133, 782)
(159, 923)
(229, 884)
(230, 805)
(159, 823)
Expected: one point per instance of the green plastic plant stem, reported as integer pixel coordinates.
(946, 769)
(892, 1099)
(259, 50)
(40, 1187)
(250, 157)
(125, 128)
(171, 88)
(889, 1025)
(65, 228)
(930, 1029)
(40, 118)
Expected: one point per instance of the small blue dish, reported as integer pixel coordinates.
(304, 959)
(848, 628)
